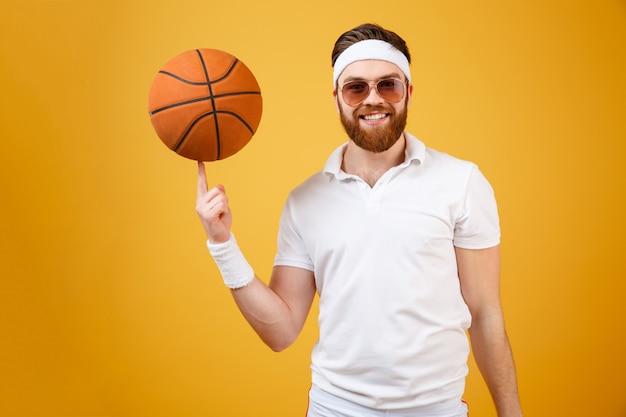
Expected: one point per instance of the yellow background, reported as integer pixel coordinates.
(109, 302)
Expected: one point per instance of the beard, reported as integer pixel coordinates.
(376, 138)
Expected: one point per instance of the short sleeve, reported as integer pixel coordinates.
(291, 248)
(478, 224)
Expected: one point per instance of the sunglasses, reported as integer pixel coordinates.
(390, 89)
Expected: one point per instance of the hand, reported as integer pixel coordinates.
(212, 207)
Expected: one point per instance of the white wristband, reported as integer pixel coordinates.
(236, 271)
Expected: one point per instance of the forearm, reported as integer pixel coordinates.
(266, 312)
(276, 312)
(492, 352)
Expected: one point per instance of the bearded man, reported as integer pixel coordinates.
(400, 241)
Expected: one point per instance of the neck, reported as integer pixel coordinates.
(370, 166)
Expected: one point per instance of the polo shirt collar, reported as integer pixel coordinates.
(415, 151)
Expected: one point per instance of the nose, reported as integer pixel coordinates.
(373, 97)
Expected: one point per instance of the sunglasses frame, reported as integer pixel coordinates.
(369, 90)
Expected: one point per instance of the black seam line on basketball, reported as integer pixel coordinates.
(174, 105)
(202, 116)
(208, 81)
(186, 81)
(196, 100)
(181, 79)
(232, 67)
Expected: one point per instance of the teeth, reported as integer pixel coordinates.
(377, 116)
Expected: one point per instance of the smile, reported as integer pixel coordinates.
(374, 117)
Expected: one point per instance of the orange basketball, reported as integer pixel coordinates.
(205, 104)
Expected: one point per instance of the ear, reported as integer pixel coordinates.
(336, 98)
(410, 95)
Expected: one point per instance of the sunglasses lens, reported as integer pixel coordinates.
(355, 92)
(391, 90)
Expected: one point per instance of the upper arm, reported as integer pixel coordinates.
(296, 288)
(479, 274)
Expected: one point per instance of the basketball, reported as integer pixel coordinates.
(205, 104)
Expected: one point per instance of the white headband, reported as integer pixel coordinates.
(370, 49)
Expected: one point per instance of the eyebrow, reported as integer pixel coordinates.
(384, 77)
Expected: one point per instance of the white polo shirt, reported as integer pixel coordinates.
(392, 318)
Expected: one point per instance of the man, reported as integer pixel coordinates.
(402, 244)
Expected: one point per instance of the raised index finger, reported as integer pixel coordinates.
(202, 183)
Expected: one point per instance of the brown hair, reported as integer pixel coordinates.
(369, 31)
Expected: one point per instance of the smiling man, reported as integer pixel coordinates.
(400, 241)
